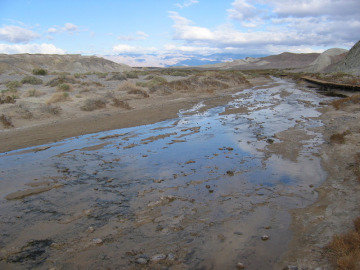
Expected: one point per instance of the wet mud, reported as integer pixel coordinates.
(207, 190)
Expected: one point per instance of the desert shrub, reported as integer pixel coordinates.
(117, 77)
(62, 79)
(6, 121)
(58, 97)
(101, 75)
(92, 83)
(140, 92)
(339, 137)
(7, 99)
(50, 109)
(63, 87)
(127, 86)
(80, 75)
(31, 80)
(162, 90)
(39, 71)
(131, 74)
(344, 250)
(13, 84)
(93, 104)
(34, 93)
(354, 99)
(155, 80)
(121, 104)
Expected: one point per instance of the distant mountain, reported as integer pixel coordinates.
(200, 60)
(351, 62)
(73, 63)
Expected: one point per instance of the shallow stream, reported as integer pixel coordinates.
(207, 190)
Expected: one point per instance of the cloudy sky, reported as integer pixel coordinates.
(163, 32)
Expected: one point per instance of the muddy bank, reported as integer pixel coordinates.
(338, 197)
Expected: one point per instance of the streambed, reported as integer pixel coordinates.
(197, 192)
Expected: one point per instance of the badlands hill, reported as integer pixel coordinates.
(73, 63)
(351, 63)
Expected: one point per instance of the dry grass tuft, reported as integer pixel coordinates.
(121, 104)
(344, 250)
(50, 109)
(6, 121)
(339, 103)
(339, 137)
(34, 93)
(58, 97)
(93, 104)
(7, 99)
(62, 79)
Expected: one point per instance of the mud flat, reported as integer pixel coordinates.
(216, 187)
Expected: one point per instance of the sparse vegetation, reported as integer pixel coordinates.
(7, 99)
(58, 97)
(153, 81)
(93, 104)
(13, 85)
(6, 121)
(117, 77)
(339, 137)
(80, 75)
(50, 109)
(62, 79)
(31, 80)
(34, 93)
(344, 250)
(354, 99)
(40, 71)
(131, 74)
(121, 104)
(63, 87)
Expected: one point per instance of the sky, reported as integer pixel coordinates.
(164, 32)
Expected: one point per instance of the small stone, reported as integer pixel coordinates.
(171, 257)
(97, 241)
(230, 173)
(211, 190)
(207, 186)
(238, 233)
(265, 237)
(142, 261)
(158, 181)
(270, 141)
(240, 265)
(311, 186)
(90, 229)
(110, 180)
(158, 257)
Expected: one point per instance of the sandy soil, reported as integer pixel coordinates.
(37, 120)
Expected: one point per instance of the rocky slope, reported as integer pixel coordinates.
(351, 63)
(73, 63)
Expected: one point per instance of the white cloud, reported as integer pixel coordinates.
(242, 10)
(125, 48)
(16, 34)
(148, 60)
(140, 35)
(68, 27)
(184, 30)
(187, 3)
(43, 48)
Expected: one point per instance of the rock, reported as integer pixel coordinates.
(97, 241)
(240, 265)
(158, 257)
(171, 257)
(90, 229)
(270, 141)
(141, 261)
(238, 233)
(265, 237)
(230, 173)
(207, 186)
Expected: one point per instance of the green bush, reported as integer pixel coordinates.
(31, 80)
(39, 71)
(63, 87)
(13, 84)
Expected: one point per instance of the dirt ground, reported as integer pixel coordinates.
(313, 227)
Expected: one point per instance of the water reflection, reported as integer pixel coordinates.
(200, 189)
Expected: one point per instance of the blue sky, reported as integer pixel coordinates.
(161, 32)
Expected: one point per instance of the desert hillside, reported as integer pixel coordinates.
(72, 63)
(351, 63)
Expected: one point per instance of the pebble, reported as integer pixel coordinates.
(240, 265)
(171, 257)
(265, 237)
(158, 257)
(291, 267)
(207, 186)
(97, 241)
(238, 233)
(90, 229)
(141, 261)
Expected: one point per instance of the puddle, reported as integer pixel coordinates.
(197, 192)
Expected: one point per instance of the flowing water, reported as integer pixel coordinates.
(196, 192)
